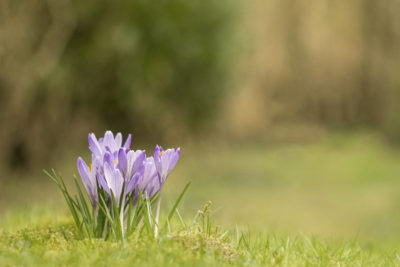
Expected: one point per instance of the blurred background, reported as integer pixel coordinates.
(287, 112)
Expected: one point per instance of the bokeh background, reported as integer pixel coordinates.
(287, 112)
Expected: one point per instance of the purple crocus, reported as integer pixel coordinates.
(120, 170)
(108, 150)
(107, 143)
(114, 180)
(88, 176)
(130, 162)
(149, 182)
(125, 169)
(165, 161)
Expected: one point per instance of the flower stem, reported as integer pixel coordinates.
(157, 214)
(121, 217)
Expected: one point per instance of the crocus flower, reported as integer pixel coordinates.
(107, 143)
(149, 182)
(88, 176)
(133, 183)
(116, 170)
(114, 181)
(165, 161)
(120, 170)
(130, 162)
(125, 170)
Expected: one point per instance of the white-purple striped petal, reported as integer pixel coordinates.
(88, 177)
(114, 180)
(165, 161)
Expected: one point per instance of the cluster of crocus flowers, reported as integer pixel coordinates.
(122, 185)
(120, 171)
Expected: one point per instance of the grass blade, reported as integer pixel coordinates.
(171, 213)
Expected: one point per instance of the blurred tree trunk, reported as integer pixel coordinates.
(33, 35)
(378, 98)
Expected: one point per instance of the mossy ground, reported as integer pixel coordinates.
(55, 243)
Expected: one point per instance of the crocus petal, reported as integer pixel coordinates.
(118, 183)
(172, 158)
(93, 171)
(130, 186)
(165, 161)
(103, 183)
(108, 158)
(84, 172)
(149, 173)
(97, 162)
(122, 161)
(94, 145)
(157, 156)
(149, 182)
(108, 174)
(135, 160)
(127, 144)
(133, 183)
(153, 186)
(87, 179)
(109, 141)
(114, 180)
(118, 140)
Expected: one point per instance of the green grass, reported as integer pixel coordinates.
(323, 203)
(52, 241)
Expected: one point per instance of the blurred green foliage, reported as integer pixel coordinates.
(164, 70)
(140, 61)
(157, 69)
